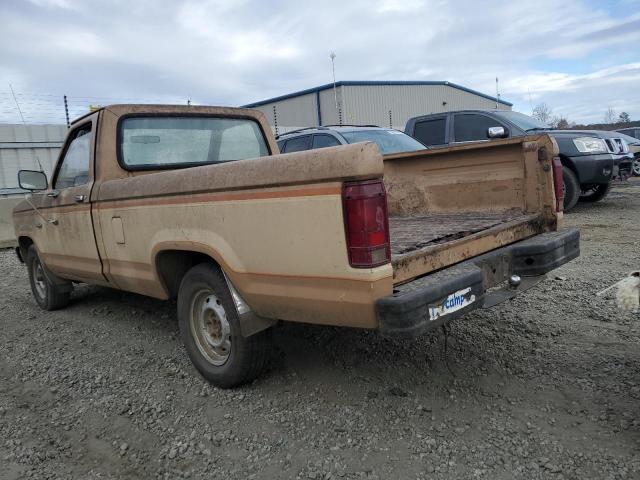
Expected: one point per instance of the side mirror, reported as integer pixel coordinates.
(497, 132)
(32, 180)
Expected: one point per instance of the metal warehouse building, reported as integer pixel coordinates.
(388, 104)
(22, 146)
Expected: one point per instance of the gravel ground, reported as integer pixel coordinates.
(544, 386)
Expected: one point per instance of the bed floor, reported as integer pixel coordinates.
(416, 232)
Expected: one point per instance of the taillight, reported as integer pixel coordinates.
(366, 223)
(558, 182)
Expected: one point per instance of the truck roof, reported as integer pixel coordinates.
(161, 108)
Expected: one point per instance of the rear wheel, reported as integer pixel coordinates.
(48, 294)
(595, 193)
(635, 167)
(571, 188)
(210, 330)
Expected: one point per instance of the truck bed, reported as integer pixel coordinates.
(428, 242)
(447, 205)
(418, 231)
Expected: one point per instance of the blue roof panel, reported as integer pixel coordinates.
(361, 83)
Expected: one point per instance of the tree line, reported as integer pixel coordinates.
(612, 119)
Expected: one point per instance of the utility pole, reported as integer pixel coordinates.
(332, 56)
(66, 111)
(497, 94)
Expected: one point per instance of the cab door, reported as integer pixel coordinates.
(69, 249)
(432, 131)
(473, 127)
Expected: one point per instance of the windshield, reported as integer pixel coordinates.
(389, 141)
(522, 121)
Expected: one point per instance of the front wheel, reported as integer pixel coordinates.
(635, 167)
(210, 330)
(48, 294)
(595, 193)
(571, 188)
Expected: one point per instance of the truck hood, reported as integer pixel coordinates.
(582, 133)
(566, 145)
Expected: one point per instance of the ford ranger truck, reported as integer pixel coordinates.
(197, 204)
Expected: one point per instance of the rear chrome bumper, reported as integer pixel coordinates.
(417, 307)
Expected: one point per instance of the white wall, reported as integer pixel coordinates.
(22, 146)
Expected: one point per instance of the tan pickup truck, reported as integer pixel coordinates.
(196, 203)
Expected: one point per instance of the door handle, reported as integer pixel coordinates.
(53, 194)
(79, 198)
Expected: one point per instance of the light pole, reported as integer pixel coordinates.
(332, 56)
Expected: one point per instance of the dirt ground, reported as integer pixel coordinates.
(544, 386)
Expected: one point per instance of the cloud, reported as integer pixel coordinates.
(596, 91)
(401, 6)
(575, 56)
(65, 4)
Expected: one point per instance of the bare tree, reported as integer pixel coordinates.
(624, 117)
(542, 112)
(559, 121)
(610, 115)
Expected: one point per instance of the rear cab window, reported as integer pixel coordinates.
(431, 132)
(156, 142)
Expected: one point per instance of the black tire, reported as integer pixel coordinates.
(635, 167)
(225, 360)
(595, 193)
(571, 188)
(48, 295)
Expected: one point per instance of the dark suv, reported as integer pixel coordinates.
(389, 141)
(591, 158)
(632, 137)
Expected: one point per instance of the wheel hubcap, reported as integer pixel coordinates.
(210, 327)
(39, 279)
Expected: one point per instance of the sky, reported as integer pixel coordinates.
(580, 57)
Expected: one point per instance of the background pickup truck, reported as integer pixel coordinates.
(195, 203)
(591, 159)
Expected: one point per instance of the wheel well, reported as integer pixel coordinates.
(24, 243)
(172, 265)
(570, 165)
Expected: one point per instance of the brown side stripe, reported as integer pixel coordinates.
(218, 197)
(197, 198)
(57, 209)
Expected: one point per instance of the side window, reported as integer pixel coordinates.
(431, 132)
(298, 144)
(472, 127)
(323, 141)
(74, 169)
